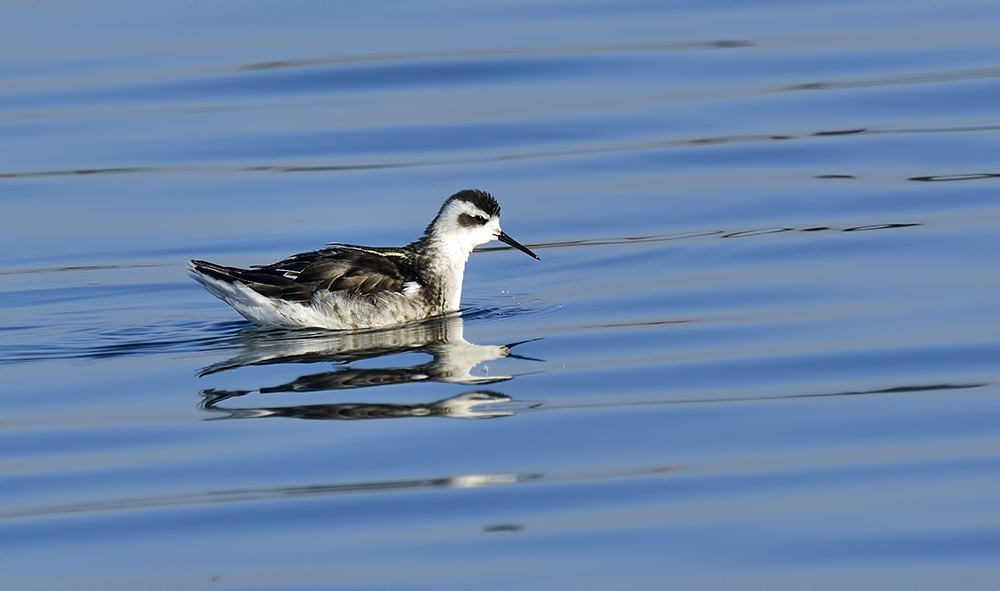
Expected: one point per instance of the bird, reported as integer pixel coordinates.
(350, 287)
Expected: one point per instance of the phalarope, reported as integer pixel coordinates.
(352, 287)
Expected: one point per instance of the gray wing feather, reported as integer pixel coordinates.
(353, 270)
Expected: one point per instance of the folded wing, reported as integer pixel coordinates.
(360, 272)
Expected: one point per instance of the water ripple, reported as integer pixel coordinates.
(534, 50)
(605, 147)
(151, 339)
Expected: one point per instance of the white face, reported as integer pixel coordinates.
(465, 224)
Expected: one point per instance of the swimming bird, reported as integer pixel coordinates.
(353, 287)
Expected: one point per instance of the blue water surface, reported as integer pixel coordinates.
(760, 350)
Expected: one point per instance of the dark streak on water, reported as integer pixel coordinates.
(647, 145)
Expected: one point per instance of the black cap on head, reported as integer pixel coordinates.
(480, 199)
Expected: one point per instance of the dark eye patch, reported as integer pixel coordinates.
(465, 220)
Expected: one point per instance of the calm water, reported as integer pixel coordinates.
(760, 350)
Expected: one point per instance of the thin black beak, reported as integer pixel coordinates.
(508, 240)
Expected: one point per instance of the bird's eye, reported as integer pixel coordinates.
(472, 220)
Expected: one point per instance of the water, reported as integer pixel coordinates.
(760, 350)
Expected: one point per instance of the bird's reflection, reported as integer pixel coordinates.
(452, 360)
(471, 405)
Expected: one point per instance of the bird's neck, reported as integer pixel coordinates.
(444, 270)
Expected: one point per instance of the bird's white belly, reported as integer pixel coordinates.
(333, 310)
(339, 311)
